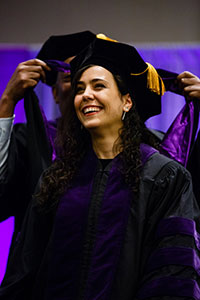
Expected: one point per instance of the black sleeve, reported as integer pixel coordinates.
(14, 180)
(29, 254)
(170, 254)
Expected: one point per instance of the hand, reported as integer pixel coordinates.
(190, 85)
(26, 75)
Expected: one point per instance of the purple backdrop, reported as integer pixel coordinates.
(174, 58)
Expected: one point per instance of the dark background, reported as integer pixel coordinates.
(131, 21)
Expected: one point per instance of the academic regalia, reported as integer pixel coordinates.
(36, 149)
(15, 178)
(32, 148)
(103, 242)
(23, 170)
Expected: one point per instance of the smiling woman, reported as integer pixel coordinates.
(112, 218)
(95, 108)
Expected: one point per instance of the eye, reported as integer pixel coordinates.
(99, 85)
(79, 90)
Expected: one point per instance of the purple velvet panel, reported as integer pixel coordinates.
(174, 256)
(111, 227)
(178, 225)
(176, 58)
(146, 152)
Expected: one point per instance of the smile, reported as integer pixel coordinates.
(91, 109)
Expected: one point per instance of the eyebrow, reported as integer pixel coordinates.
(92, 81)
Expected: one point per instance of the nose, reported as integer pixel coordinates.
(88, 94)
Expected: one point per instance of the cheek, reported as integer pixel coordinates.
(77, 101)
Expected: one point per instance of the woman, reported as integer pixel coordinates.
(113, 219)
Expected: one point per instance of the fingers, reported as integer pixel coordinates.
(187, 78)
(32, 69)
(186, 74)
(37, 62)
(189, 84)
(26, 75)
(192, 91)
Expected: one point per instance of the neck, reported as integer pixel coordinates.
(104, 146)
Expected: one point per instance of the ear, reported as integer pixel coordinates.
(127, 102)
(55, 93)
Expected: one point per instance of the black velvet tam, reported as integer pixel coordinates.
(116, 57)
(61, 47)
(124, 60)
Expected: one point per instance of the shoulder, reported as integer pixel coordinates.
(160, 166)
(166, 188)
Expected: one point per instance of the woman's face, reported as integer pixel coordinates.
(98, 102)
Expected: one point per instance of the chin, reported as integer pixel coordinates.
(91, 124)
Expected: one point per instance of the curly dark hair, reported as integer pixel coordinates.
(72, 143)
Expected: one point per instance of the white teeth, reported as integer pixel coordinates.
(90, 109)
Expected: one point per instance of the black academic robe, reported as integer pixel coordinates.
(18, 181)
(16, 187)
(103, 242)
(29, 154)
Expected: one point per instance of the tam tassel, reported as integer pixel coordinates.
(154, 81)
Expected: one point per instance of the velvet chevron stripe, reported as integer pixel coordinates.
(174, 256)
(178, 225)
(170, 286)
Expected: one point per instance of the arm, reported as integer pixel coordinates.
(6, 125)
(26, 75)
(13, 152)
(170, 258)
